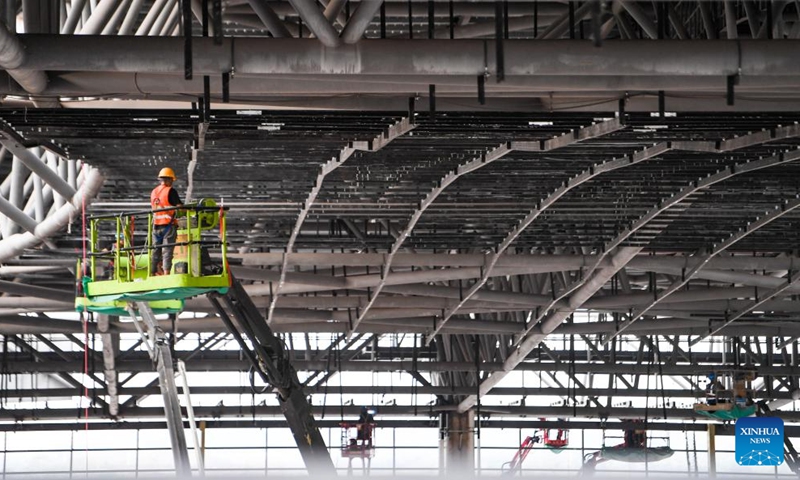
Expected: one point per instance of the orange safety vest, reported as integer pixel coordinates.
(159, 198)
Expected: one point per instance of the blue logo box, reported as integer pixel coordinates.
(759, 441)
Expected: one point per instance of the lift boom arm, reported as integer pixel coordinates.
(271, 360)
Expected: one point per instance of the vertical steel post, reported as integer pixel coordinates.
(500, 73)
(712, 450)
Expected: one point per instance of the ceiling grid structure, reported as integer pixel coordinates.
(582, 193)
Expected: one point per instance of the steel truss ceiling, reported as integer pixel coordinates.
(430, 183)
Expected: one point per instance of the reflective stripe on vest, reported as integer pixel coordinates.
(159, 198)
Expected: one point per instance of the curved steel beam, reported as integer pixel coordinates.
(534, 334)
(486, 158)
(752, 227)
(399, 128)
(593, 131)
(490, 156)
(697, 146)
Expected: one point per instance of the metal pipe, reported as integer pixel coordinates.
(497, 412)
(421, 57)
(38, 199)
(731, 26)
(130, 17)
(12, 56)
(72, 174)
(783, 398)
(11, 324)
(148, 84)
(734, 277)
(686, 299)
(74, 16)
(419, 8)
(242, 365)
(12, 271)
(16, 189)
(16, 217)
(358, 23)
(151, 17)
(334, 8)
(708, 20)
(676, 22)
(13, 143)
(317, 23)
(777, 7)
(16, 288)
(59, 167)
(473, 30)
(171, 22)
(273, 23)
(161, 20)
(16, 244)
(46, 204)
(100, 16)
(87, 11)
(117, 18)
(753, 17)
(641, 17)
(560, 26)
(546, 262)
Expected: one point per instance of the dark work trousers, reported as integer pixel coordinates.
(162, 235)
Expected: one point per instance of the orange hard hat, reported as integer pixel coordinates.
(167, 172)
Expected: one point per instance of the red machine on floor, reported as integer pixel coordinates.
(555, 439)
(358, 439)
(560, 440)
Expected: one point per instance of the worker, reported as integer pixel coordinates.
(165, 224)
(364, 426)
(629, 438)
(713, 388)
(635, 437)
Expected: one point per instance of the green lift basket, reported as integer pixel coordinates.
(114, 276)
(636, 455)
(726, 412)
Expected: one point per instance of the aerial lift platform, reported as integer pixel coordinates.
(116, 280)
